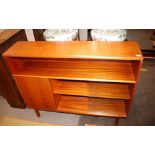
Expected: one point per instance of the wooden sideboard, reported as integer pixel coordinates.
(8, 88)
(81, 77)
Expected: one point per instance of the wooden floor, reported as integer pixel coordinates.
(10, 121)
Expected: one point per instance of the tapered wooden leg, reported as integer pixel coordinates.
(116, 121)
(37, 112)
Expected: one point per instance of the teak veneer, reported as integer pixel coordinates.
(93, 89)
(80, 77)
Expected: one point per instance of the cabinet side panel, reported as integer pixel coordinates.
(7, 85)
(36, 92)
(14, 64)
(136, 66)
(8, 88)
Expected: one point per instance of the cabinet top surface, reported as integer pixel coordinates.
(127, 50)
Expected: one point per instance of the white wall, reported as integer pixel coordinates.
(83, 34)
(29, 34)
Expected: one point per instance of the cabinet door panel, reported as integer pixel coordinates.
(36, 92)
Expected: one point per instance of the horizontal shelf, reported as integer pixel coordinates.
(103, 71)
(117, 50)
(92, 106)
(92, 89)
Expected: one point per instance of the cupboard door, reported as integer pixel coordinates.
(36, 92)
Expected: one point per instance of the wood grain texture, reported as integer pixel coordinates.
(128, 50)
(105, 71)
(91, 78)
(92, 106)
(92, 89)
(10, 121)
(36, 92)
(6, 34)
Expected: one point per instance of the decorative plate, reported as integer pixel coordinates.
(60, 34)
(109, 34)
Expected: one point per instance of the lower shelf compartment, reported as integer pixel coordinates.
(92, 106)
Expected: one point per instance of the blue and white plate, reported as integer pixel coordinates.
(60, 34)
(109, 34)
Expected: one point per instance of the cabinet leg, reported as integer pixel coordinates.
(37, 112)
(117, 121)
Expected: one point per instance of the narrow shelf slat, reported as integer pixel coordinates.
(92, 106)
(92, 89)
(103, 72)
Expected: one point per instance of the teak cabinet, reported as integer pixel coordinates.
(81, 77)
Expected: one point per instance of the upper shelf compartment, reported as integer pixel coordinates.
(75, 69)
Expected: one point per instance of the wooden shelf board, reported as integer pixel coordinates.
(92, 106)
(92, 89)
(127, 50)
(105, 72)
